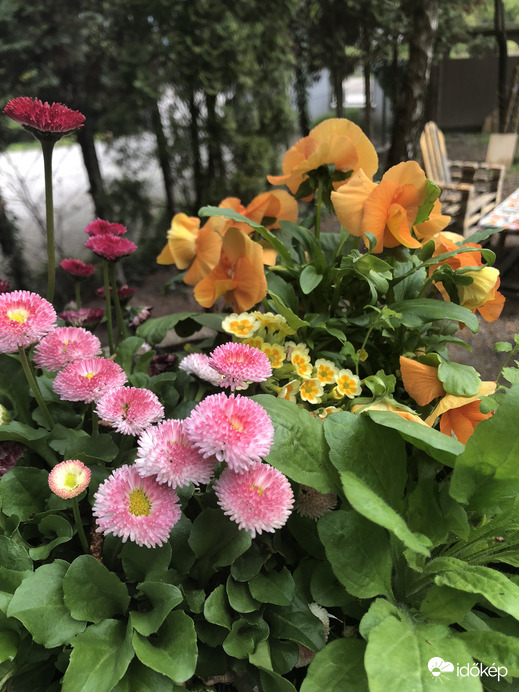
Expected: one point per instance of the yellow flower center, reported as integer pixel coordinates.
(258, 488)
(236, 424)
(140, 505)
(18, 315)
(71, 481)
(240, 327)
(89, 375)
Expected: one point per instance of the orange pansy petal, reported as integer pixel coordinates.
(491, 310)
(165, 256)
(348, 201)
(420, 381)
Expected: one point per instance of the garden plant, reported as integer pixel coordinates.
(311, 496)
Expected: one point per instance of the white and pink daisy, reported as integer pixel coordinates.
(240, 364)
(198, 364)
(234, 429)
(25, 317)
(260, 499)
(165, 451)
(69, 479)
(110, 247)
(130, 410)
(87, 380)
(65, 345)
(136, 508)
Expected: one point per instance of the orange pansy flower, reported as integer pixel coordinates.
(387, 210)
(238, 276)
(420, 381)
(334, 141)
(434, 224)
(392, 407)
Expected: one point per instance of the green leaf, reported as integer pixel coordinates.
(370, 505)
(309, 279)
(502, 347)
(299, 449)
(487, 472)
(493, 649)
(338, 667)
(273, 682)
(243, 638)
(216, 539)
(216, 608)
(445, 605)
(296, 623)
(99, 659)
(433, 512)
(511, 375)
(358, 551)
(155, 329)
(55, 527)
(414, 313)
(292, 319)
(172, 651)
(432, 194)
(91, 592)
(326, 589)
(38, 604)
(23, 491)
(142, 564)
(441, 447)
(14, 554)
(163, 598)
(9, 638)
(14, 384)
(34, 438)
(457, 379)
(273, 587)
(126, 351)
(140, 678)
(240, 597)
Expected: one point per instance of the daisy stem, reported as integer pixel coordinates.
(77, 290)
(79, 526)
(118, 311)
(95, 422)
(318, 208)
(106, 277)
(33, 384)
(47, 148)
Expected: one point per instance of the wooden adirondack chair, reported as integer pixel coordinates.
(469, 190)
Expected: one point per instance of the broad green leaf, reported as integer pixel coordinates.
(493, 649)
(358, 551)
(243, 638)
(326, 589)
(432, 194)
(248, 565)
(374, 508)
(140, 678)
(23, 491)
(99, 659)
(273, 682)
(457, 379)
(441, 447)
(14, 384)
(142, 564)
(172, 651)
(14, 555)
(445, 605)
(125, 352)
(511, 375)
(91, 592)
(296, 623)
(155, 329)
(374, 454)
(414, 313)
(240, 597)
(292, 319)
(378, 611)
(34, 438)
(273, 587)
(163, 598)
(400, 649)
(9, 641)
(216, 539)
(309, 279)
(57, 529)
(338, 667)
(216, 608)
(487, 472)
(433, 512)
(38, 604)
(299, 449)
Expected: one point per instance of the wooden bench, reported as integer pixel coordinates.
(469, 190)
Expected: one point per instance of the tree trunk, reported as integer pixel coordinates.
(198, 182)
(11, 248)
(163, 157)
(85, 137)
(336, 77)
(301, 88)
(408, 117)
(499, 25)
(215, 165)
(366, 69)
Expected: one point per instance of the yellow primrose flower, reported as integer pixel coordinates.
(290, 346)
(325, 371)
(243, 325)
(254, 341)
(289, 391)
(272, 322)
(311, 391)
(305, 370)
(326, 411)
(299, 356)
(348, 384)
(275, 353)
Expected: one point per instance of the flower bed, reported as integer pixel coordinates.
(314, 497)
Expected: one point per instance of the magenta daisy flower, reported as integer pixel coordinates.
(129, 506)
(69, 479)
(84, 317)
(24, 318)
(10, 454)
(44, 120)
(102, 227)
(65, 345)
(260, 499)
(198, 364)
(87, 380)
(165, 451)
(110, 247)
(233, 429)
(240, 364)
(130, 410)
(124, 292)
(77, 268)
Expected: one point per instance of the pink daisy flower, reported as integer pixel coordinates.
(77, 268)
(69, 479)
(84, 317)
(233, 429)
(129, 506)
(166, 452)
(130, 410)
(44, 120)
(260, 499)
(24, 318)
(124, 293)
(87, 380)
(101, 227)
(240, 364)
(110, 247)
(198, 364)
(65, 345)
